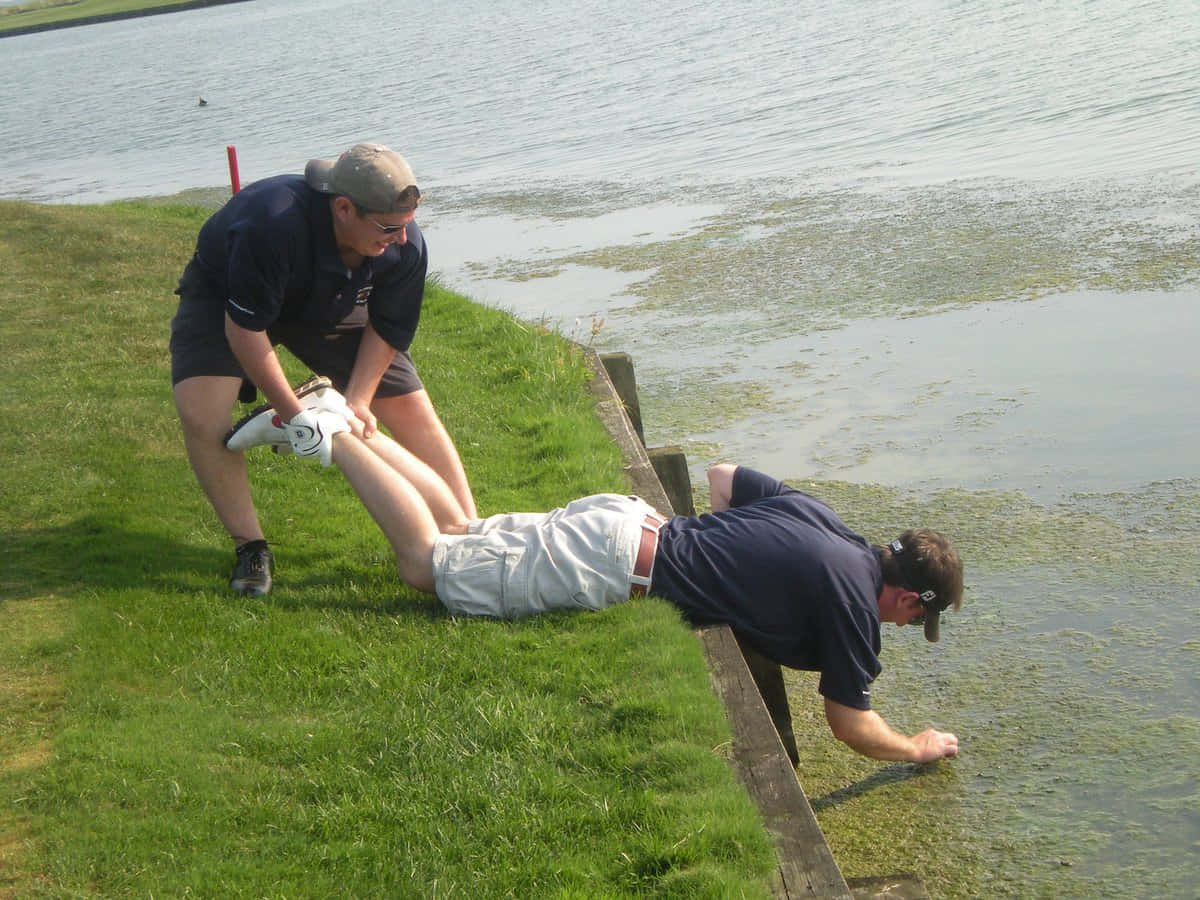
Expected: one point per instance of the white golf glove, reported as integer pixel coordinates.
(327, 398)
(331, 400)
(311, 431)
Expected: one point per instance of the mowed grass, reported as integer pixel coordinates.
(44, 12)
(343, 737)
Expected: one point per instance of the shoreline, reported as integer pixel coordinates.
(111, 17)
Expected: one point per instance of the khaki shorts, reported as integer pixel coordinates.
(578, 557)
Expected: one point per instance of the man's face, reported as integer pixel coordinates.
(368, 233)
(375, 232)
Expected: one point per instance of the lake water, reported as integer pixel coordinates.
(933, 260)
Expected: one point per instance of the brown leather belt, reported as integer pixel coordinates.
(644, 564)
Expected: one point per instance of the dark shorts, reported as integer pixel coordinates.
(199, 347)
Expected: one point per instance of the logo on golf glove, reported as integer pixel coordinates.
(311, 431)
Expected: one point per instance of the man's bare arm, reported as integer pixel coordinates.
(720, 485)
(374, 356)
(254, 351)
(865, 731)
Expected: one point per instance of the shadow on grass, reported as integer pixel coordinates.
(97, 551)
(102, 552)
(889, 775)
(343, 586)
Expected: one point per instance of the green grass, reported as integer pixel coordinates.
(45, 12)
(343, 737)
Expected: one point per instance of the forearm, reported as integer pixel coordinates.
(374, 356)
(866, 732)
(257, 357)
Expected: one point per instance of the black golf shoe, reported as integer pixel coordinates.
(252, 573)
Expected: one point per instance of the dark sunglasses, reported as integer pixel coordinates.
(410, 196)
(386, 229)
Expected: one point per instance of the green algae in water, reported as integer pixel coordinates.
(833, 256)
(1070, 677)
(707, 396)
(1070, 674)
(770, 282)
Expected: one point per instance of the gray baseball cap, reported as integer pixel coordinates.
(376, 178)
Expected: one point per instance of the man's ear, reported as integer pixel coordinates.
(895, 603)
(343, 208)
(907, 602)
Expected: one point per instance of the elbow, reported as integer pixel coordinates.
(846, 723)
(720, 472)
(842, 733)
(720, 485)
(853, 739)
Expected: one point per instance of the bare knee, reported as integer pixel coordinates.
(416, 566)
(203, 430)
(203, 405)
(409, 417)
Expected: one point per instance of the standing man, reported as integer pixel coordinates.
(776, 565)
(331, 265)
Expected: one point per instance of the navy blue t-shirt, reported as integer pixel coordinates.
(783, 570)
(270, 255)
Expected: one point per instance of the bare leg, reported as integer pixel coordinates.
(438, 497)
(414, 423)
(204, 404)
(396, 506)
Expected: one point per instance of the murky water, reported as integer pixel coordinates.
(937, 262)
(936, 335)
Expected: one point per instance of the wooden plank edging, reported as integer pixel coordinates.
(806, 867)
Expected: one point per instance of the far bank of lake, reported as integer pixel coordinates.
(72, 17)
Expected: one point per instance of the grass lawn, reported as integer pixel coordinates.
(44, 12)
(343, 737)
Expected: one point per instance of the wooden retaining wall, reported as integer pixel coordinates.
(806, 867)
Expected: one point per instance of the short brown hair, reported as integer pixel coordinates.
(924, 560)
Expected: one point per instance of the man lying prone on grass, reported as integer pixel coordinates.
(776, 565)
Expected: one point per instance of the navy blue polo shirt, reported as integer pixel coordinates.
(783, 570)
(271, 256)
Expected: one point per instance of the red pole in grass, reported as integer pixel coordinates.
(234, 181)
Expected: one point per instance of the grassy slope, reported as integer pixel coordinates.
(345, 737)
(43, 12)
